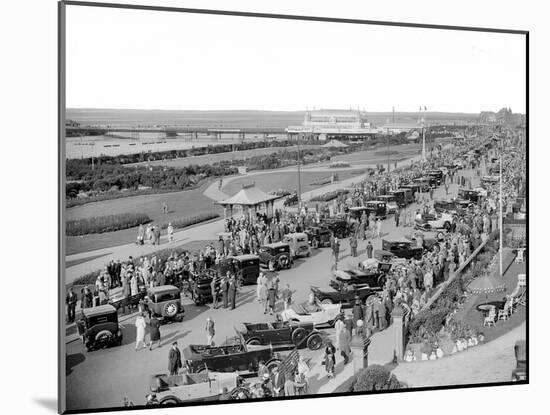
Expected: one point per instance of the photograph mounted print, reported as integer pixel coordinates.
(262, 207)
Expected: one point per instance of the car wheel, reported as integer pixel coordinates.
(170, 309)
(103, 336)
(314, 342)
(298, 336)
(327, 301)
(169, 400)
(253, 342)
(284, 261)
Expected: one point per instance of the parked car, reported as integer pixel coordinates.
(520, 351)
(441, 220)
(318, 236)
(240, 358)
(196, 387)
(164, 302)
(391, 203)
(291, 200)
(281, 333)
(276, 256)
(246, 268)
(345, 296)
(299, 245)
(429, 239)
(320, 315)
(402, 248)
(466, 194)
(436, 174)
(118, 300)
(373, 277)
(200, 286)
(338, 226)
(99, 327)
(403, 196)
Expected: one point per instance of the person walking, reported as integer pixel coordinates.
(344, 341)
(232, 293)
(378, 228)
(271, 298)
(224, 288)
(71, 301)
(210, 331)
(140, 331)
(329, 364)
(174, 359)
(287, 297)
(353, 245)
(214, 292)
(154, 332)
(259, 283)
(397, 214)
(156, 232)
(170, 231)
(336, 251)
(339, 326)
(369, 249)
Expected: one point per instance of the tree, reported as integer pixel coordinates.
(375, 378)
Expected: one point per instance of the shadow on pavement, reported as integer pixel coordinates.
(73, 360)
(48, 403)
(174, 336)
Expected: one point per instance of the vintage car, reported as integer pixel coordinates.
(429, 239)
(374, 277)
(164, 302)
(391, 203)
(424, 183)
(318, 236)
(118, 300)
(196, 387)
(320, 315)
(338, 226)
(402, 248)
(467, 194)
(426, 221)
(281, 333)
(437, 175)
(520, 351)
(403, 196)
(200, 286)
(291, 199)
(245, 267)
(239, 357)
(299, 245)
(99, 327)
(346, 295)
(488, 180)
(276, 256)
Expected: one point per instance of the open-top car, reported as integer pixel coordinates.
(298, 243)
(402, 248)
(320, 315)
(276, 256)
(281, 333)
(196, 387)
(164, 302)
(428, 239)
(373, 277)
(99, 327)
(240, 358)
(439, 220)
(318, 236)
(346, 295)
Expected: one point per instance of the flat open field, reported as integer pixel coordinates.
(180, 204)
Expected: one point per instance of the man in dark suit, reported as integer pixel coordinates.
(232, 293)
(174, 359)
(71, 301)
(277, 382)
(117, 270)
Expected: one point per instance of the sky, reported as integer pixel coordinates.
(160, 60)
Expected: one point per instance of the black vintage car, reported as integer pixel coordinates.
(437, 175)
(338, 226)
(280, 334)
(345, 296)
(164, 302)
(470, 195)
(520, 372)
(402, 248)
(377, 207)
(200, 286)
(275, 256)
(229, 358)
(318, 236)
(374, 278)
(99, 327)
(246, 268)
(291, 199)
(403, 196)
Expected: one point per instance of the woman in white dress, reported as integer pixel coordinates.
(134, 285)
(140, 331)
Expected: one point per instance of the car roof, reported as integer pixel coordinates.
(246, 257)
(376, 201)
(296, 234)
(276, 245)
(162, 289)
(99, 310)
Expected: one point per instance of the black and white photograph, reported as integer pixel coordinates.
(263, 207)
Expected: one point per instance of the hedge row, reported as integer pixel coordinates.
(101, 224)
(191, 220)
(327, 197)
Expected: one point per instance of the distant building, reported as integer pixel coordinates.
(503, 116)
(333, 124)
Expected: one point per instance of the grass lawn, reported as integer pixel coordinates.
(82, 260)
(180, 204)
